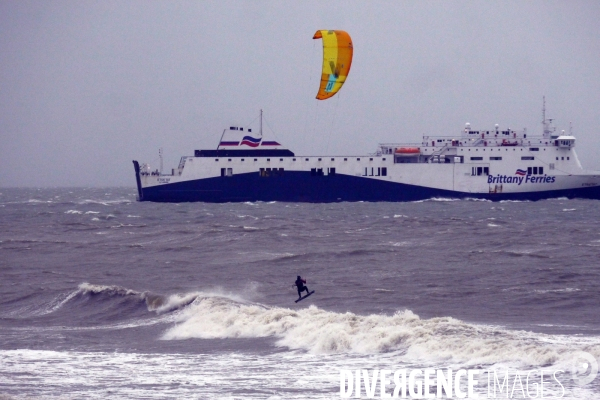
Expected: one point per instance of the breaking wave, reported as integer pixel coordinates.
(324, 332)
(113, 301)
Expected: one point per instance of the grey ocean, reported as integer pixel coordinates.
(105, 297)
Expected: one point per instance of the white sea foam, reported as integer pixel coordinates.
(399, 244)
(127, 375)
(105, 202)
(97, 289)
(73, 212)
(442, 199)
(324, 332)
(565, 290)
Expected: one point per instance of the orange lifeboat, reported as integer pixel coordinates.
(407, 151)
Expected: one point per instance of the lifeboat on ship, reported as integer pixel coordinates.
(509, 143)
(407, 151)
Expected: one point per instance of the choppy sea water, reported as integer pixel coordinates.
(105, 297)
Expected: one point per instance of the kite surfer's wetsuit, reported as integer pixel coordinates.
(301, 288)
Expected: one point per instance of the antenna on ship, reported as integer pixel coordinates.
(261, 122)
(570, 128)
(160, 155)
(546, 122)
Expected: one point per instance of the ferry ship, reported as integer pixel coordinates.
(496, 164)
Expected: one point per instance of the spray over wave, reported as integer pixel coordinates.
(319, 331)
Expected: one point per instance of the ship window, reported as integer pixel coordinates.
(551, 165)
(307, 159)
(333, 159)
(345, 159)
(268, 159)
(556, 158)
(370, 159)
(496, 158)
(479, 170)
(331, 171)
(384, 171)
(222, 171)
(319, 159)
(541, 170)
(535, 172)
(529, 170)
(486, 170)
(567, 158)
(562, 158)
(384, 159)
(293, 159)
(527, 158)
(255, 159)
(358, 159)
(229, 159)
(281, 159)
(242, 159)
(534, 149)
(476, 158)
(313, 172)
(229, 172)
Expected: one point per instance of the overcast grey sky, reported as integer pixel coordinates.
(88, 86)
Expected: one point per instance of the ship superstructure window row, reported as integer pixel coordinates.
(270, 172)
(226, 172)
(477, 171)
(380, 171)
(535, 170)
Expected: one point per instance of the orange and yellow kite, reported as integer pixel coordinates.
(337, 58)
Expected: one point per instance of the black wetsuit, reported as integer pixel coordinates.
(301, 288)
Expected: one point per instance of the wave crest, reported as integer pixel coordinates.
(324, 332)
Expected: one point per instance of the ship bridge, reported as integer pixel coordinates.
(444, 149)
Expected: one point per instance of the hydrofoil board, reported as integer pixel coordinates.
(302, 298)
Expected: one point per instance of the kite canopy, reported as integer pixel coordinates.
(337, 58)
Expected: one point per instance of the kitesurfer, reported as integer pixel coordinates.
(301, 288)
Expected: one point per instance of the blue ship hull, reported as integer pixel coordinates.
(296, 186)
